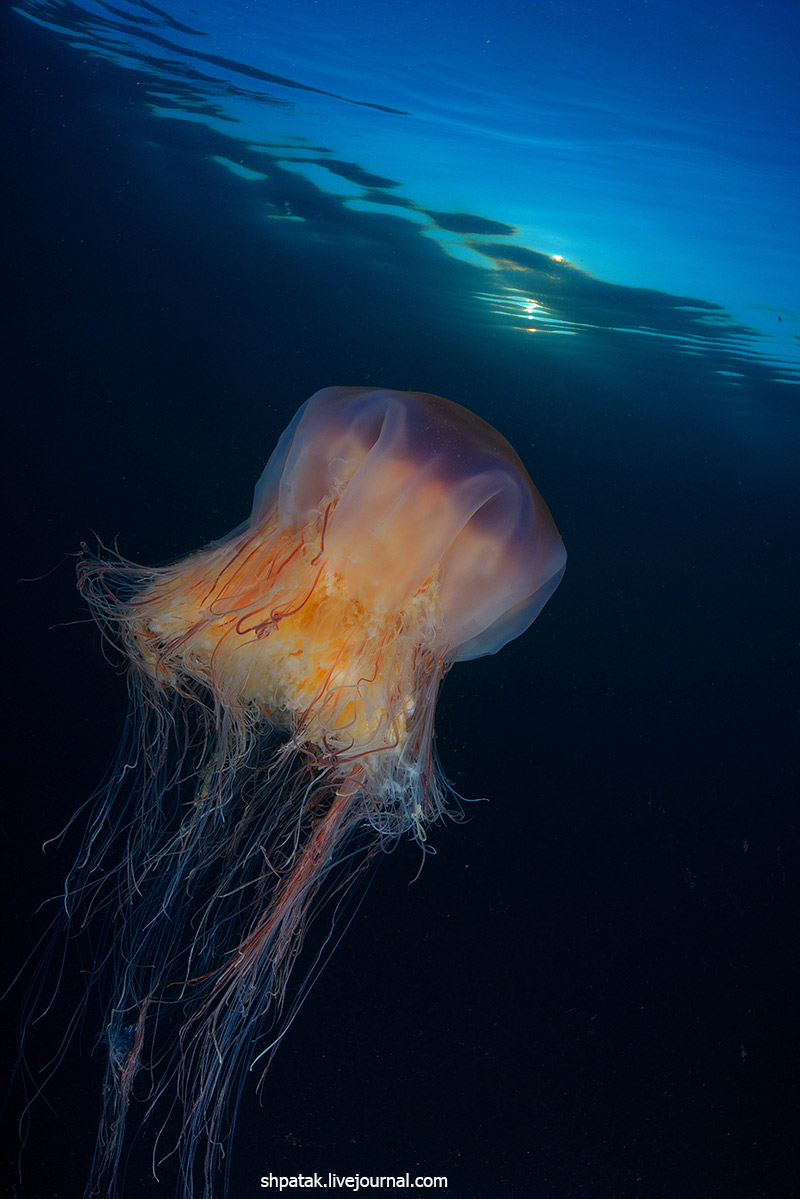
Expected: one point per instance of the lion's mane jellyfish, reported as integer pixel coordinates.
(283, 684)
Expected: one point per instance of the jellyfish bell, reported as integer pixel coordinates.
(286, 679)
(391, 535)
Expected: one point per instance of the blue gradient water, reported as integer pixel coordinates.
(650, 145)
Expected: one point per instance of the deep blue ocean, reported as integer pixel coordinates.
(579, 221)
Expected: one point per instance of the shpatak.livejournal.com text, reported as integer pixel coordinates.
(354, 1182)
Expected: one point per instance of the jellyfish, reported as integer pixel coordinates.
(283, 685)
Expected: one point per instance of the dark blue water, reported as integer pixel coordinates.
(591, 989)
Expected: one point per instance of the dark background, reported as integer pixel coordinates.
(591, 988)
